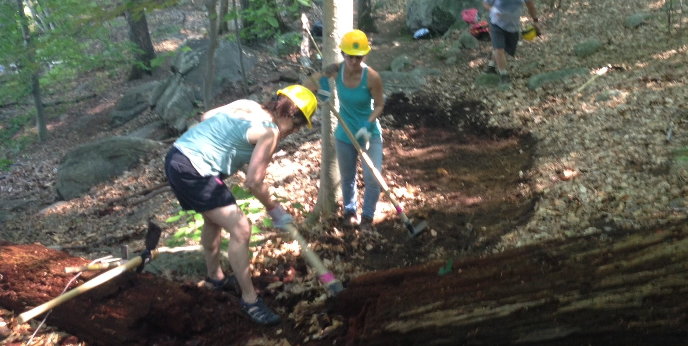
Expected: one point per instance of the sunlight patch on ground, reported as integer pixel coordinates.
(100, 107)
(168, 45)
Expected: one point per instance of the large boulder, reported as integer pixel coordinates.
(133, 103)
(437, 15)
(176, 97)
(99, 161)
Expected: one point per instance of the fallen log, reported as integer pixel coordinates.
(626, 290)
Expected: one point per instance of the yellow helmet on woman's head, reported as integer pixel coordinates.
(302, 98)
(355, 43)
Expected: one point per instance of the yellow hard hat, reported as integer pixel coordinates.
(302, 98)
(530, 33)
(355, 43)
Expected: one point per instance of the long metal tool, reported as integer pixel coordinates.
(413, 230)
(150, 253)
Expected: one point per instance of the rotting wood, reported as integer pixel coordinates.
(630, 291)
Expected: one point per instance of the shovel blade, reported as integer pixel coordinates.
(153, 236)
(417, 229)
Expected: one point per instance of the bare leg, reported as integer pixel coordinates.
(499, 57)
(210, 239)
(233, 220)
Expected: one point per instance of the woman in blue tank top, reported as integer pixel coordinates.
(361, 102)
(229, 137)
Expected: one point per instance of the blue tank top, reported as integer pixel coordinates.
(355, 106)
(219, 145)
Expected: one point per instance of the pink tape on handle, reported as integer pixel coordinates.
(399, 211)
(327, 277)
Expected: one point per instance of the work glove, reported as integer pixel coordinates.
(324, 93)
(280, 217)
(364, 134)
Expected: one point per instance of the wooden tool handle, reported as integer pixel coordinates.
(88, 285)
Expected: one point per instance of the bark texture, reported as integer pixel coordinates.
(625, 290)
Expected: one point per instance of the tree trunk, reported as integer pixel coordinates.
(211, 6)
(224, 24)
(338, 20)
(587, 291)
(237, 32)
(139, 35)
(33, 69)
(365, 16)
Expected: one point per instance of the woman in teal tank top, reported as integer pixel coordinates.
(242, 132)
(361, 102)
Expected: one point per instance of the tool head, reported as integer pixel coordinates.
(153, 235)
(336, 287)
(418, 229)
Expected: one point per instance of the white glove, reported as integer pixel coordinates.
(364, 134)
(280, 217)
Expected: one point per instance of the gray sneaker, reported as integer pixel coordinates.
(504, 81)
(491, 70)
(366, 225)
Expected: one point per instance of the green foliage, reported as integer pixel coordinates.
(5, 164)
(446, 269)
(193, 222)
(263, 18)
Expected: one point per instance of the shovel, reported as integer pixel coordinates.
(413, 230)
(138, 262)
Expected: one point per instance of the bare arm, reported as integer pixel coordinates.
(486, 6)
(533, 14)
(375, 87)
(265, 143)
(313, 81)
(531, 10)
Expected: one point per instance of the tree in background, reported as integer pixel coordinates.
(365, 20)
(211, 7)
(140, 37)
(32, 69)
(337, 20)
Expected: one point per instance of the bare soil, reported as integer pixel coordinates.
(464, 160)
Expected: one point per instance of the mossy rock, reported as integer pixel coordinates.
(587, 48)
(636, 20)
(541, 79)
(487, 80)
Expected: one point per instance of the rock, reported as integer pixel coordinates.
(487, 80)
(98, 161)
(587, 48)
(175, 99)
(436, 15)
(469, 41)
(401, 63)
(636, 20)
(608, 94)
(133, 103)
(288, 74)
(541, 79)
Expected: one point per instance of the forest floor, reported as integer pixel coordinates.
(488, 169)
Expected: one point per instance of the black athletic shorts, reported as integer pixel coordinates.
(194, 191)
(502, 39)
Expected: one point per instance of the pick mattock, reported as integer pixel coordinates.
(413, 231)
(326, 277)
(138, 262)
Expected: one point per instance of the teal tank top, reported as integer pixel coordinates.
(355, 106)
(219, 145)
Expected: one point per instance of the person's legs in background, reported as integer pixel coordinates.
(347, 159)
(371, 195)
